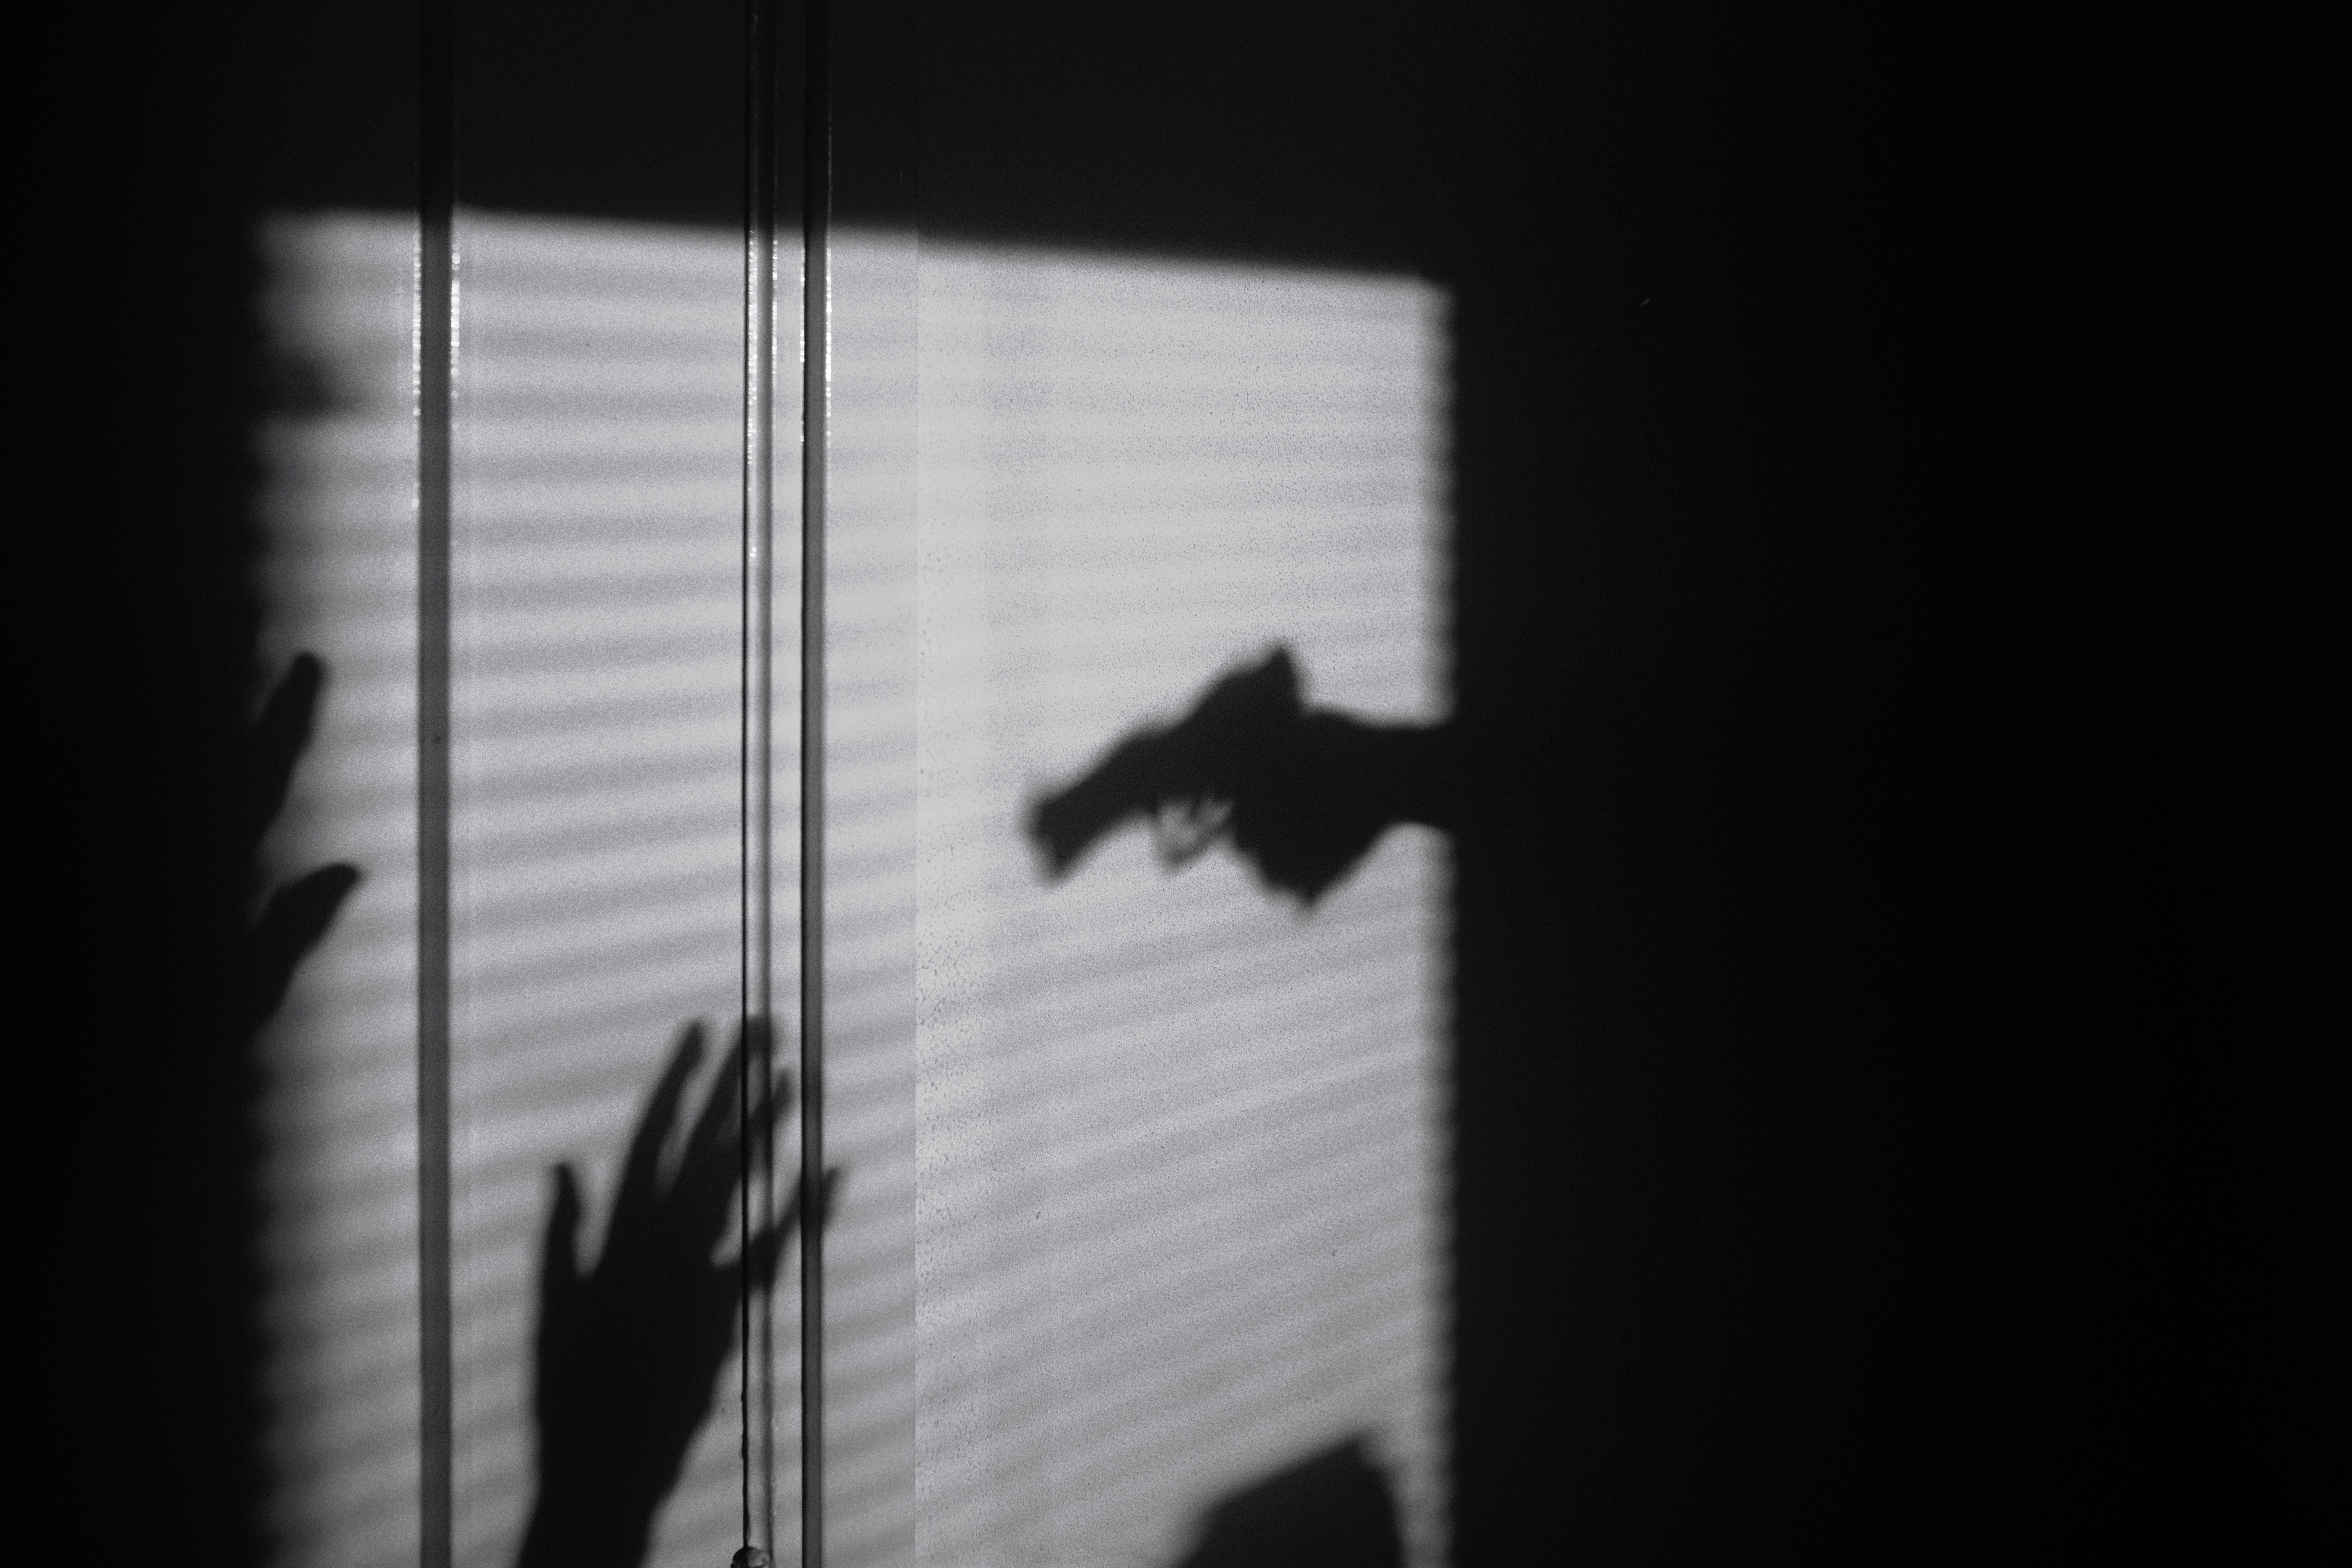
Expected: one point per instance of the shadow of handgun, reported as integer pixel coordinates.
(1302, 794)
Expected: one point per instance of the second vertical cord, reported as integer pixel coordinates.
(761, 341)
(817, 202)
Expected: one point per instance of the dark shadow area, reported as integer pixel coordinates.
(1332, 1509)
(1302, 794)
(198, 923)
(1878, 968)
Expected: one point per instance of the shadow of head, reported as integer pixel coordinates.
(1333, 1510)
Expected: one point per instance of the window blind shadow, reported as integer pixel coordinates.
(1144, 1174)
(1181, 1146)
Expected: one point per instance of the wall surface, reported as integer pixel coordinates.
(1866, 1121)
(1144, 1174)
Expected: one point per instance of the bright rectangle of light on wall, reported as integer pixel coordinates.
(1180, 1153)
(1145, 1171)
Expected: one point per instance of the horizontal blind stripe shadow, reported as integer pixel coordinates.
(594, 824)
(1180, 1205)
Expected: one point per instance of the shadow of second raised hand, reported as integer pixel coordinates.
(1332, 1509)
(295, 916)
(629, 1351)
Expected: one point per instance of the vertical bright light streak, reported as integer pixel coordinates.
(817, 200)
(436, 359)
(757, 1363)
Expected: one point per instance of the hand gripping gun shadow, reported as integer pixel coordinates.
(1301, 792)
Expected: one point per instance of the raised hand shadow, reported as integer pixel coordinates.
(629, 1351)
(295, 915)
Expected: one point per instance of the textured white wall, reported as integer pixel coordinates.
(1181, 1147)
(341, 1109)
(596, 565)
(1144, 1193)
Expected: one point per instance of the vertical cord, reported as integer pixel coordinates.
(760, 168)
(817, 202)
(757, 860)
(436, 333)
